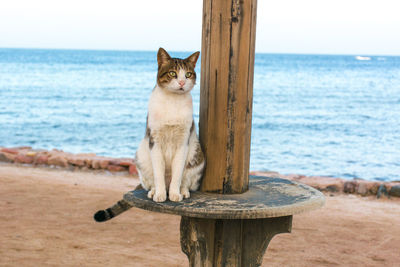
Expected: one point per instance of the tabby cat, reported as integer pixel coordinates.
(169, 158)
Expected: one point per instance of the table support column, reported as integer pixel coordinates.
(224, 242)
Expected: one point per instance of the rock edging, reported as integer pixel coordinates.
(339, 185)
(59, 158)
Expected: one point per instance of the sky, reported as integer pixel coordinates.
(356, 27)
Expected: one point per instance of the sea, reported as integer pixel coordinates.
(326, 115)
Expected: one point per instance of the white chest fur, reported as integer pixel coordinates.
(168, 109)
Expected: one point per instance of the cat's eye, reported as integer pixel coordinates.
(188, 74)
(172, 73)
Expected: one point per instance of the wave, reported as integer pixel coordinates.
(362, 58)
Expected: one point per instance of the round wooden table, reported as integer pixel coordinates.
(243, 223)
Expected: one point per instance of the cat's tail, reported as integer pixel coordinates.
(115, 210)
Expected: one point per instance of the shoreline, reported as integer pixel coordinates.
(92, 162)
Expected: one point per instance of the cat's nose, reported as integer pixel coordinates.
(181, 83)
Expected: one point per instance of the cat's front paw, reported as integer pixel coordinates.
(173, 196)
(150, 194)
(185, 193)
(160, 196)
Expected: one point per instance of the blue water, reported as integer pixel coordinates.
(313, 115)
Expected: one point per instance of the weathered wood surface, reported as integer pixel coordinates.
(209, 242)
(226, 93)
(266, 198)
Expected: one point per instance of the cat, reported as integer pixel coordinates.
(169, 158)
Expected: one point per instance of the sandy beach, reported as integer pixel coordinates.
(46, 219)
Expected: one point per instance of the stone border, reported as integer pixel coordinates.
(59, 158)
(339, 185)
(91, 161)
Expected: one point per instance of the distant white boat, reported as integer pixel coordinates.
(362, 58)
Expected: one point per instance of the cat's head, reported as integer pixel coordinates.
(174, 74)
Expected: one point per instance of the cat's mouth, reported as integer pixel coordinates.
(181, 89)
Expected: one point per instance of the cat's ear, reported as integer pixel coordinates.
(193, 58)
(162, 56)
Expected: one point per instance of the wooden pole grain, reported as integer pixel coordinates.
(226, 98)
(228, 45)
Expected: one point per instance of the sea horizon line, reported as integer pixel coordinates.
(190, 51)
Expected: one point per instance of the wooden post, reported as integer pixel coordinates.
(226, 97)
(227, 67)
